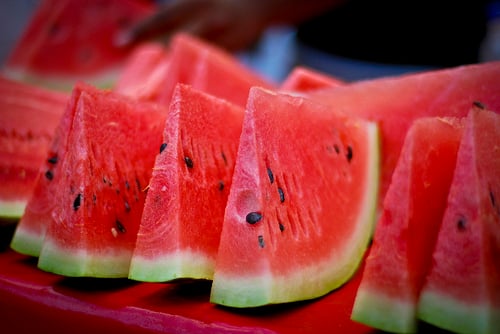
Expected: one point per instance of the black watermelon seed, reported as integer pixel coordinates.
(270, 174)
(337, 149)
(282, 195)
(261, 241)
(282, 227)
(127, 185)
(189, 162)
(349, 154)
(479, 104)
(120, 227)
(52, 160)
(224, 158)
(77, 202)
(492, 199)
(163, 146)
(253, 217)
(127, 206)
(221, 185)
(461, 224)
(49, 175)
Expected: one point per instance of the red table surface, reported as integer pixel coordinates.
(32, 300)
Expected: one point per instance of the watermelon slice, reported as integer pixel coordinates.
(304, 79)
(31, 229)
(462, 290)
(302, 205)
(29, 117)
(188, 190)
(404, 239)
(100, 195)
(145, 72)
(70, 40)
(395, 102)
(210, 69)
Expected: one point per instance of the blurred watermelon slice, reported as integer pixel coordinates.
(70, 40)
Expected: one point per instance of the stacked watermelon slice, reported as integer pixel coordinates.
(194, 167)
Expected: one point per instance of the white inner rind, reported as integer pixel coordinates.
(388, 314)
(457, 315)
(12, 209)
(317, 279)
(181, 264)
(112, 263)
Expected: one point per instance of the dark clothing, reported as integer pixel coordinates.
(439, 33)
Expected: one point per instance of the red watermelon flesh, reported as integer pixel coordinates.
(188, 190)
(29, 116)
(395, 102)
(31, 229)
(404, 239)
(145, 72)
(462, 290)
(100, 195)
(304, 79)
(70, 40)
(302, 204)
(208, 68)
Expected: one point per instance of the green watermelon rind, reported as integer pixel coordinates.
(12, 209)
(185, 264)
(239, 292)
(26, 242)
(379, 311)
(105, 79)
(111, 263)
(456, 315)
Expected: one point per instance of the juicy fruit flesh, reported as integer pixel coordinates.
(401, 251)
(464, 282)
(299, 213)
(100, 203)
(188, 190)
(29, 115)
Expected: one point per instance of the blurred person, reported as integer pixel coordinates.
(350, 39)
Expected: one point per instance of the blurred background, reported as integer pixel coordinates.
(273, 56)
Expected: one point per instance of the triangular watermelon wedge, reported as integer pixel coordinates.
(145, 72)
(395, 102)
(70, 40)
(210, 69)
(304, 79)
(29, 116)
(100, 195)
(462, 290)
(301, 210)
(188, 190)
(404, 239)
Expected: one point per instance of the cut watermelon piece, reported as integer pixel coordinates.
(304, 79)
(70, 40)
(395, 102)
(31, 229)
(210, 69)
(188, 190)
(404, 239)
(145, 72)
(462, 290)
(301, 209)
(29, 117)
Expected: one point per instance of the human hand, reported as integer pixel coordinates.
(231, 24)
